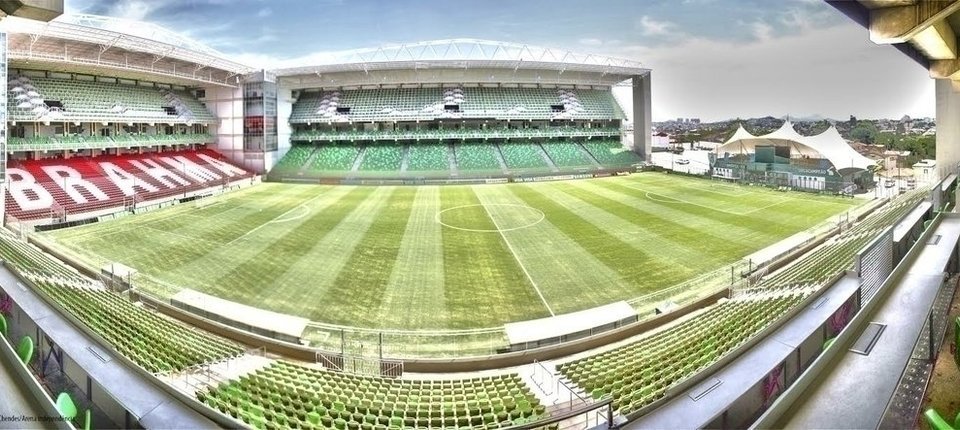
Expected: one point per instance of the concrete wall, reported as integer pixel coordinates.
(642, 121)
(227, 105)
(948, 125)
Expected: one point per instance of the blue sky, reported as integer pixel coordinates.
(713, 59)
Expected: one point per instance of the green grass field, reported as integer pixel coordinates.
(451, 257)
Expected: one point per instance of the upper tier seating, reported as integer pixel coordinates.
(408, 104)
(289, 395)
(53, 143)
(44, 188)
(28, 100)
(330, 135)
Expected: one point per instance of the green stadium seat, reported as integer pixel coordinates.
(937, 422)
(25, 349)
(66, 407)
(3, 326)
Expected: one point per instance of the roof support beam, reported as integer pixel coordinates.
(891, 25)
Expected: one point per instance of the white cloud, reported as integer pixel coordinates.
(265, 12)
(652, 27)
(835, 72)
(761, 31)
(136, 10)
(590, 41)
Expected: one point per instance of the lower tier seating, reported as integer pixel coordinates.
(566, 154)
(57, 187)
(156, 343)
(382, 158)
(285, 395)
(295, 158)
(639, 373)
(476, 156)
(428, 157)
(522, 156)
(611, 153)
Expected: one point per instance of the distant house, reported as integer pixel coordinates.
(925, 171)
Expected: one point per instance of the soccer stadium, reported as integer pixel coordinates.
(456, 233)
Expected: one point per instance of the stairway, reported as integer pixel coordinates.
(406, 158)
(547, 159)
(503, 163)
(452, 158)
(593, 160)
(359, 160)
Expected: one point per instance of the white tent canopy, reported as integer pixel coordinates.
(829, 145)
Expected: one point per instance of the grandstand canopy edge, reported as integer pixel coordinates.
(582, 322)
(286, 327)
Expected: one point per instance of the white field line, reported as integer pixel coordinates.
(278, 218)
(676, 200)
(182, 236)
(516, 257)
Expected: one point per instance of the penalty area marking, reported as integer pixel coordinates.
(280, 218)
(497, 229)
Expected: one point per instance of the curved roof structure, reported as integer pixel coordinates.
(829, 145)
(466, 53)
(92, 41)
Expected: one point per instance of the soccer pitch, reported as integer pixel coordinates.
(448, 257)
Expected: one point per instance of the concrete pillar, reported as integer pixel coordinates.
(948, 126)
(642, 122)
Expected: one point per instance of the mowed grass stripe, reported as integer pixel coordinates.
(678, 187)
(483, 284)
(552, 252)
(248, 267)
(667, 223)
(733, 228)
(362, 281)
(635, 270)
(320, 252)
(160, 253)
(414, 294)
(630, 226)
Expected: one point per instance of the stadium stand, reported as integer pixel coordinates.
(295, 159)
(428, 157)
(410, 104)
(59, 187)
(290, 395)
(382, 158)
(476, 156)
(80, 100)
(610, 153)
(523, 156)
(331, 135)
(639, 373)
(156, 343)
(65, 142)
(334, 158)
(566, 154)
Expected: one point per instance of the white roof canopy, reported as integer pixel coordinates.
(829, 145)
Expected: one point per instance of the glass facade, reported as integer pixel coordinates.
(259, 114)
